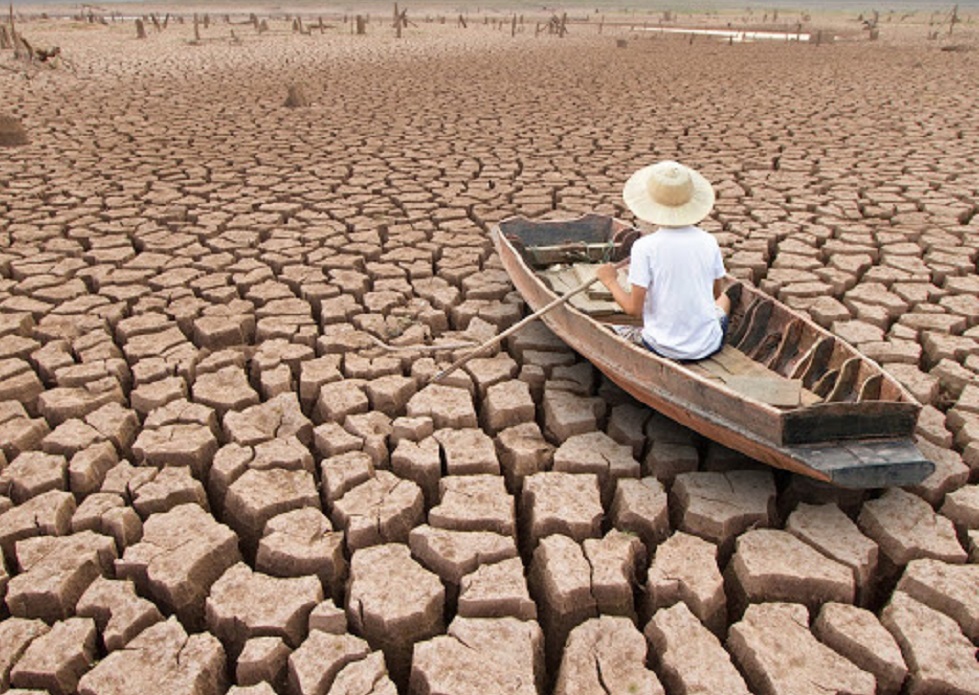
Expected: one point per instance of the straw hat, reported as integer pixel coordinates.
(668, 194)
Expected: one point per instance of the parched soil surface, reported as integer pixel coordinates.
(213, 478)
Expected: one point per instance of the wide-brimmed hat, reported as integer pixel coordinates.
(668, 194)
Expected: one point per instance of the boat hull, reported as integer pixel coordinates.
(718, 413)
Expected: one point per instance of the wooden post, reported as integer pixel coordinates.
(140, 29)
(513, 26)
(954, 19)
(197, 31)
(564, 25)
(361, 25)
(601, 24)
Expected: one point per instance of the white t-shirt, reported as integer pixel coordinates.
(678, 266)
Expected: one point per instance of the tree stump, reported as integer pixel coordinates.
(361, 25)
(140, 29)
(296, 98)
(12, 131)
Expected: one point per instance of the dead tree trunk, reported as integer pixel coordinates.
(513, 26)
(361, 25)
(197, 31)
(140, 29)
(462, 21)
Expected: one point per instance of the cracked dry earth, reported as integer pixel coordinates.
(212, 478)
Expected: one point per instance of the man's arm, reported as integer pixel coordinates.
(631, 302)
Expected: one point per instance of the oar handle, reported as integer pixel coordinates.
(497, 339)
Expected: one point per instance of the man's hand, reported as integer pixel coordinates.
(607, 274)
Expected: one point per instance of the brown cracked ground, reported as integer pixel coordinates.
(204, 454)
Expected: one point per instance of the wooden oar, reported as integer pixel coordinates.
(497, 339)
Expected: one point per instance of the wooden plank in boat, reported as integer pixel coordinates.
(769, 388)
(730, 363)
(564, 279)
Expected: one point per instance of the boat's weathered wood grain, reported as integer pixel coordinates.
(768, 388)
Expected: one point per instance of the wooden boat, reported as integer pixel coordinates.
(782, 390)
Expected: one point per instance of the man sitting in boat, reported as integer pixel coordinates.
(675, 272)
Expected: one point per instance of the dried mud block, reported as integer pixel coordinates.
(567, 414)
(87, 468)
(962, 507)
(170, 488)
(448, 407)
(390, 394)
(313, 374)
(106, 513)
(56, 660)
(369, 676)
(55, 572)
(560, 583)
(414, 429)
(832, 533)
(259, 495)
(18, 432)
(341, 473)
(314, 666)
(162, 659)
(474, 503)
(382, 509)
(950, 473)
(182, 553)
(452, 554)
(951, 589)
(507, 404)
(774, 648)
(420, 462)
(339, 399)
(626, 424)
(487, 372)
(467, 451)
(554, 502)
(33, 473)
(480, 656)
(117, 424)
(70, 437)
(641, 507)
(373, 429)
(263, 660)
(923, 386)
(684, 570)
(225, 390)
(858, 635)
(597, 453)
(16, 635)
(118, 612)
(156, 394)
(666, 460)
(330, 439)
(615, 561)
(496, 590)
(302, 543)
(189, 445)
(772, 565)
(719, 506)
(278, 418)
(48, 514)
(63, 403)
(906, 528)
(606, 654)
(243, 604)
(328, 617)
(394, 619)
(522, 451)
(688, 656)
(941, 660)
